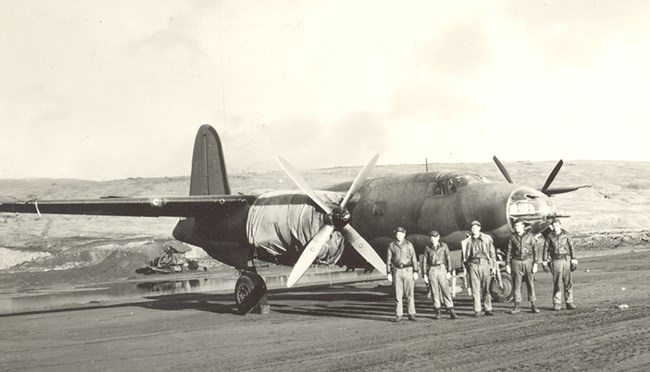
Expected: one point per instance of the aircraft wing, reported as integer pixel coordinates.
(561, 190)
(188, 206)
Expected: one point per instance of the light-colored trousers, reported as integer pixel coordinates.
(404, 285)
(479, 276)
(439, 286)
(522, 271)
(562, 280)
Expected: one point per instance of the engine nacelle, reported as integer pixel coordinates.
(281, 223)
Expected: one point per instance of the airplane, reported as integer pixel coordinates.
(349, 224)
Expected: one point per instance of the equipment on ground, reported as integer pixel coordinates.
(171, 261)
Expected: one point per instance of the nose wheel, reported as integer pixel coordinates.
(250, 293)
(502, 292)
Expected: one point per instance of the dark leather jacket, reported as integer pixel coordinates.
(558, 246)
(436, 256)
(401, 255)
(522, 247)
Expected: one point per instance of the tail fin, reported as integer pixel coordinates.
(208, 165)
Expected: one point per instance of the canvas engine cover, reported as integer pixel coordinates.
(283, 223)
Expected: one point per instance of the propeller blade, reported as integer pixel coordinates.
(297, 178)
(361, 177)
(503, 169)
(309, 254)
(364, 248)
(551, 176)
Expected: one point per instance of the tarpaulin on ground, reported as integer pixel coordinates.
(283, 222)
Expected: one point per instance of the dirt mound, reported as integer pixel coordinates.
(610, 239)
(119, 264)
(76, 261)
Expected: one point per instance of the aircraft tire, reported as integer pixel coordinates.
(249, 290)
(505, 294)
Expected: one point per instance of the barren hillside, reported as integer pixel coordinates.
(614, 211)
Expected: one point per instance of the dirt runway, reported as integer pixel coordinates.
(347, 327)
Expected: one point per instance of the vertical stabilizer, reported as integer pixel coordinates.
(208, 165)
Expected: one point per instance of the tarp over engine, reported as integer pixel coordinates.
(283, 223)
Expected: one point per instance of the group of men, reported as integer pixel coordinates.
(478, 256)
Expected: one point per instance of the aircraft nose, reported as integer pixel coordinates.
(530, 205)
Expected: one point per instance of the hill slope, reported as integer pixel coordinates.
(616, 210)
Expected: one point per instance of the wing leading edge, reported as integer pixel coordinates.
(561, 190)
(186, 206)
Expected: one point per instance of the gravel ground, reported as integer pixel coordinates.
(347, 327)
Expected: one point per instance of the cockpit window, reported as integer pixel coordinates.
(451, 185)
(435, 189)
(466, 179)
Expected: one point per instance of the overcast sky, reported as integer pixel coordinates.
(114, 89)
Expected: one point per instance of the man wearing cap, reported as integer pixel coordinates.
(521, 263)
(436, 271)
(479, 258)
(558, 248)
(402, 268)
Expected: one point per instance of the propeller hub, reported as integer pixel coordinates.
(340, 217)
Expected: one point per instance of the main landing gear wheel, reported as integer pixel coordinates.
(250, 291)
(502, 294)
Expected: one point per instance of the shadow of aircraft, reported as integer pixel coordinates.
(369, 301)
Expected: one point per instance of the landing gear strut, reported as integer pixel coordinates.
(250, 293)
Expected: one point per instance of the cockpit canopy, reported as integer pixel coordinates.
(449, 185)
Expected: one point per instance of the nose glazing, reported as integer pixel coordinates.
(529, 205)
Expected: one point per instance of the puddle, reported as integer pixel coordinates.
(212, 282)
(86, 296)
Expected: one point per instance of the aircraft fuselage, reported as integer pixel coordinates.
(430, 201)
(443, 201)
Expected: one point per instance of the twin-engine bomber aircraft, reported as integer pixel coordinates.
(348, 224)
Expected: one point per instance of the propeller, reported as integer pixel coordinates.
(340, 218)
(361, 177)
(549, 180)
(503, 169)
(309, 254)
(297, 178)
(365, 250)
(551, 176)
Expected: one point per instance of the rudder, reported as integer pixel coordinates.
(208, 166)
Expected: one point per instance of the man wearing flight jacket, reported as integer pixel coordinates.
(558, 248)
(479, 258)
(436, 270)
(402, 267)
(521, 263)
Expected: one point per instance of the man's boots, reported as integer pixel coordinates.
(533, 307)
(515, 310)
(437, 314)
(452, 314)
